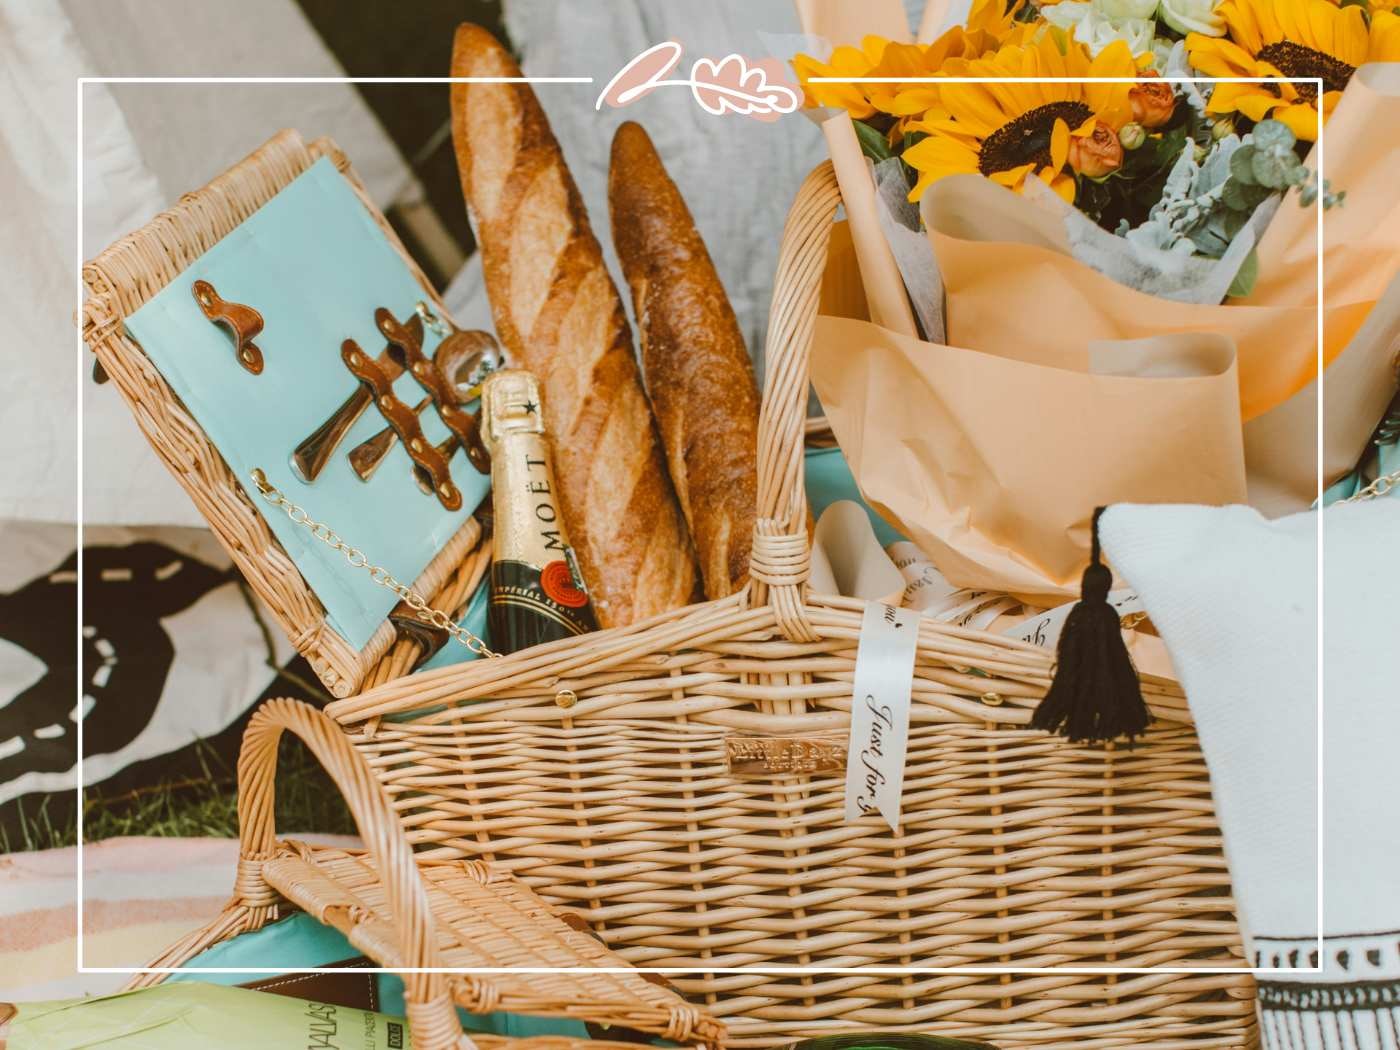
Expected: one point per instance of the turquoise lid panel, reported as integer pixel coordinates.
(316, 265)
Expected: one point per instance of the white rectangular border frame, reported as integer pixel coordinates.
(795, 970)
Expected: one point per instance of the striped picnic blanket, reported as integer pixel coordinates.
(140, 895)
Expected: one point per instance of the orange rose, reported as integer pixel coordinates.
(1097, 154)
(1153, 101)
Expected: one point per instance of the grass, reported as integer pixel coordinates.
(204, 804)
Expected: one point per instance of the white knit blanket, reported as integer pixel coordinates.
(1235, 598)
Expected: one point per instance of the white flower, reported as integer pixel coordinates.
(1098, 23)
(1161, 55)
(1067, 14)
(1193, 16)
(1096, 32)
(1123, 9)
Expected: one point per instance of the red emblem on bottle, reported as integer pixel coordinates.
(558, 583)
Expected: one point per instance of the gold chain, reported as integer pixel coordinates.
(381, 576)
(1379, 487)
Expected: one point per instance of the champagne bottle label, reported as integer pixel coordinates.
(537, 592)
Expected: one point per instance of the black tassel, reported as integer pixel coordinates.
(1095, 695)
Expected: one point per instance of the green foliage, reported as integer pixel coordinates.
(1268, 159)
(205, 805)
(1211, 194)
(1307, 196)
(1126, 197)
(1246, 275)
(1269, 163)
(874, 143)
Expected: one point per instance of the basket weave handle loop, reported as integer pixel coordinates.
(379, 828)
(781, 555)
(434, 1024)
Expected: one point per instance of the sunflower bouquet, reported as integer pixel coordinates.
(1089, 98)
(1138, 320)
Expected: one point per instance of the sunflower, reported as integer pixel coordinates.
(1008, 131)
(1374, 5)
(1291, 38)
(845, 61)
(990, 25)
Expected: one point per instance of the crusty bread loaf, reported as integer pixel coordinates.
(698, 373)
(558, 314)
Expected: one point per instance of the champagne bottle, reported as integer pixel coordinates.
(537, 592)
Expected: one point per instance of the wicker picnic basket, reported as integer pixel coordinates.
(678, 783)
(607, 772)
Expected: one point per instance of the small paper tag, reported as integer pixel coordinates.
(884, 679)
(1044, 630)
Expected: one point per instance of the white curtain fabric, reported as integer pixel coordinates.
(142, 146)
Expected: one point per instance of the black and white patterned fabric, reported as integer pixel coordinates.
(1354, 1005)
(172, 652)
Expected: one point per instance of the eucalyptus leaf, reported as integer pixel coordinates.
(1273, 134)
(1241, 164)
(1231, 222)
(1269, 169)
(1242, 197)
(1209, 240)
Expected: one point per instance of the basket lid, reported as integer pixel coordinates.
(289, 238)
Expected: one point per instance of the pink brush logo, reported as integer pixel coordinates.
(731, 85)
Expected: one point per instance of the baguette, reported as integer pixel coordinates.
(698, 373)
(559, 315)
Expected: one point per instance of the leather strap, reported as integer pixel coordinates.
(404, 421)
(406, 344)
(243, 322)
(351, 988)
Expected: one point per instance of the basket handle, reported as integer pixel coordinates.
(431, 1014)
(780, 559)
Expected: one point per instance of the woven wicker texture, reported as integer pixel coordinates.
(595, 768)
(402, 913)
(126, 276)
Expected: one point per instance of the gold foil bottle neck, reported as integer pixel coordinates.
(510, 404)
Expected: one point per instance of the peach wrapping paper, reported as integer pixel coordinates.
(1013, 288)
(1361, 300)
(884, 287)
(993, 465)
(845, 22)
(850, 21)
